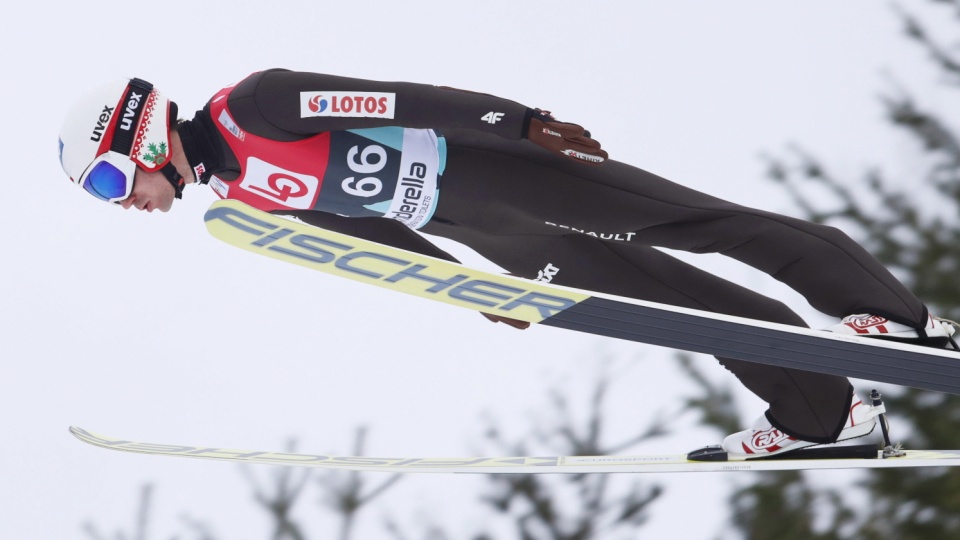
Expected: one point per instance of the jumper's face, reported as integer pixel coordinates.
(151, 191)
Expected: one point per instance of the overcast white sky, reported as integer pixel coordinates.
(143, 326)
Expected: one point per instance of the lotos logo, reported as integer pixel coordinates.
(287, 188)
(348, 104)
(317, 104)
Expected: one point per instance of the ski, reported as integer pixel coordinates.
(859, 457)
(646, 322)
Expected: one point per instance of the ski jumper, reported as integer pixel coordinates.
(344, 154)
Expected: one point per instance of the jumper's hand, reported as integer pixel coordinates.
(570, 140)
(520, 325)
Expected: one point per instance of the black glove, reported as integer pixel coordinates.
(570, 140)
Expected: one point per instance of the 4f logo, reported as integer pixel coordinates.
(546, 275)
(492, 117)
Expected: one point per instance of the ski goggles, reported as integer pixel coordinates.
(110, 177)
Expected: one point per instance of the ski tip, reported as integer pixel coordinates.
(79, 433)
(83, 435)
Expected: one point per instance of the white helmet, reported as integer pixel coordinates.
(116, 128)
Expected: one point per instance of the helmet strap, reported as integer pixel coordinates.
(174, 177)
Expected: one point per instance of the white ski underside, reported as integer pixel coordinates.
(519, 465)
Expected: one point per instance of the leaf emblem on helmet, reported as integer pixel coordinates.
(156, 153)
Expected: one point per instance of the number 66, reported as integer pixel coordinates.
(369, 186)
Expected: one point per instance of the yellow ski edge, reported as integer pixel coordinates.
(368, 262)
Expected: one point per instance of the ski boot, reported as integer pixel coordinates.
(763, 441)
(938, 332)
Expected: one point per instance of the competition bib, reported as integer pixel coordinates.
(390, 172)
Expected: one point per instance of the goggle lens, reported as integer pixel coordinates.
(105, 182)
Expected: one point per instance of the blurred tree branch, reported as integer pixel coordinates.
(344, 490)
(284, 488)
(535, 503)
(141, 521)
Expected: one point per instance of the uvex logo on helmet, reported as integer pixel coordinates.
(131, 111)
(102, 122)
